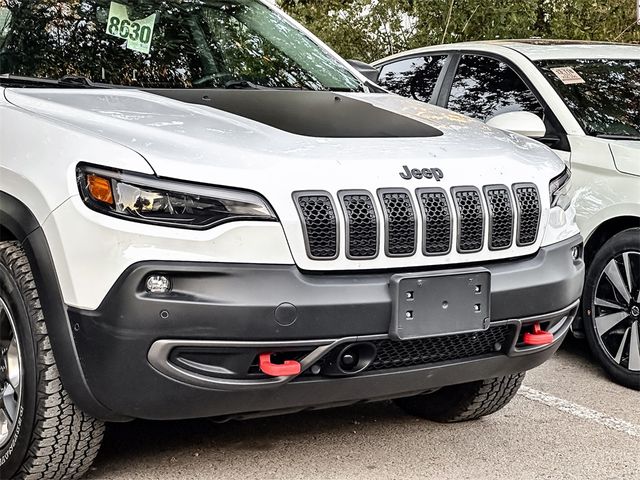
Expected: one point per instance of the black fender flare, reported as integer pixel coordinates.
(20, 222)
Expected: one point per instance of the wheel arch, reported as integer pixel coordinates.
(17, 222)
(595, 242)
(605, 231)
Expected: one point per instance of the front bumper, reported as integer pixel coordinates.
(191, 353)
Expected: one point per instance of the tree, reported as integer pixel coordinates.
(371, 29)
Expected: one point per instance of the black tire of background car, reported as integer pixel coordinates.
(53, 438)
(467, 401)
(624, 241)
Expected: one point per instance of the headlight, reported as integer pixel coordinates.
(165, 202)
(559, 190)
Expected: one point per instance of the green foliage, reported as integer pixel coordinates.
(371, 29)
(357, 28)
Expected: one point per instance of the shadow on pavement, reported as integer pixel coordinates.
(140, 438)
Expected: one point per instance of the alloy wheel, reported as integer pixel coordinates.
(616, 310)
(10, 375)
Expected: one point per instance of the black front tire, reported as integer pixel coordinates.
(464, 402)
(53, 439)
(624, 242)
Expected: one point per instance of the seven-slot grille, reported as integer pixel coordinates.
(392, 218)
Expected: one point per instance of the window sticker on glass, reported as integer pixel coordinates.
(5, 21)
(137, 33)
(567, 75)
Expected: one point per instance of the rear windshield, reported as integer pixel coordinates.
(165, 44)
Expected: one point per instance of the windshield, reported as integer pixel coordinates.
(603, 95)
(164, 44)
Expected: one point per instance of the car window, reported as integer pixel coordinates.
(165, 44)
(485, 87)
(589, 89)
(413, 77)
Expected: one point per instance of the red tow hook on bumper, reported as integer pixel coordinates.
(538, 337)
(287, 369)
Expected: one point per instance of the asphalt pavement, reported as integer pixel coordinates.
(568, 422)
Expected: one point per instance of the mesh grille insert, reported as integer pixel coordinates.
(500, 217)
(321, 228)
(362, 225)
(400, 223)
(470, 219)
(408, 353)
(437, 221)
(528, 212)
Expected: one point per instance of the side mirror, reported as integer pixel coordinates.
(523, 123)
(369, 72)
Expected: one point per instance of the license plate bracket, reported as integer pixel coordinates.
(440, 304)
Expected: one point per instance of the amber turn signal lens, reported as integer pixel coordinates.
(100, 188)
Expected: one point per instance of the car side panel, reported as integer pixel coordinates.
(600, 191)
(39, 156)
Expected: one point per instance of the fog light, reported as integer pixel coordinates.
(575, 253)
(158, 284)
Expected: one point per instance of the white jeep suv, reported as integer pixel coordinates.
(206, 212)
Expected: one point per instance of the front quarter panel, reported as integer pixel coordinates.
(600, 191)
(39, 157)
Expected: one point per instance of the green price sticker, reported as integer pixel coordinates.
(137, 33)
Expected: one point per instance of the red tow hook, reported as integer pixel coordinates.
(287, 369)
(538, 337)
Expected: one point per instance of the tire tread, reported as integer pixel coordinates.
(461, 403)
(623, 241)
(65, 440)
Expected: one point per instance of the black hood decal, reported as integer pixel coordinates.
(312, 114)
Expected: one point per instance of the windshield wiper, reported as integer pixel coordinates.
(617, 137)
(247, 85)
(341, 90)
(77, 81)
(68, 81)
(241, 85)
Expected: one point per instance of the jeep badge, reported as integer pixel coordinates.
(419, 174)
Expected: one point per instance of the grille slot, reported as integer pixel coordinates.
(400, 223)
(470, 219)
(409, 353)
(319, 224)
(436, 215)
(500, 216)
(362, 224)
(528, 202)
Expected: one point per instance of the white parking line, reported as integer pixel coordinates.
(580, 411)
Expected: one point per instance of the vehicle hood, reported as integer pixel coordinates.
(198, 142)
(626, 155)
